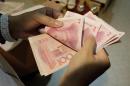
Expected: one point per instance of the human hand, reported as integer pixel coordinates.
(29, 24)
(86, 66)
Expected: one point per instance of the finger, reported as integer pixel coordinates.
(90, 45)
(56, 14)
(48, 12)
(80, 6)
(52, 12)
(45, 20)
(30, 25)
(71, 4)
(102, 56)
(42, 30)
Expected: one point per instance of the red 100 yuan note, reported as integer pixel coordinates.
(50, 54)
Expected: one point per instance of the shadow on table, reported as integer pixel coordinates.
(35, 79)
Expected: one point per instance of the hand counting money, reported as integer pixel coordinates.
(54, 49)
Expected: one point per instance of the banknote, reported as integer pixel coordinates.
(107, 27)
(70, 34)
(88, 23)
(72, 14)
(103, 30)
(50, 54)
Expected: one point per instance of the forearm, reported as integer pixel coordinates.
(71, 81)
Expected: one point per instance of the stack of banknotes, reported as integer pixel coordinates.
(54, 49)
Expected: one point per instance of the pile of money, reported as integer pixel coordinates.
(54, 49)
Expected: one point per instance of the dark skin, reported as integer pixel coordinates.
(24, 26)
(29, 24)
(84, 67)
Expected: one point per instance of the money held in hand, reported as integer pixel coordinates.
(54, 49)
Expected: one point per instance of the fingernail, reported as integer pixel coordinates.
(71, 6)
(58, 23)
(61, 16)
(80, 8)
(41, 30)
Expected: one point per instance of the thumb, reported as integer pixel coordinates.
(45, 20)
(90, 45)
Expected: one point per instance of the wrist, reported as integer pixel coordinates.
(12, 27)
(73, 79)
